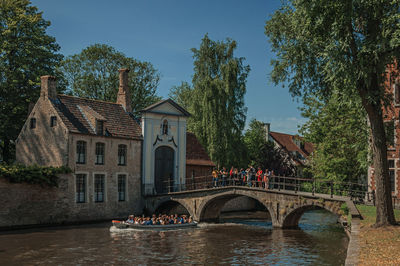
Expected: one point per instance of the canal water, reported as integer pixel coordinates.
(320, 241)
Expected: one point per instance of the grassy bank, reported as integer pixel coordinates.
(379, 246)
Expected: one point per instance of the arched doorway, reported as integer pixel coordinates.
(164, 169)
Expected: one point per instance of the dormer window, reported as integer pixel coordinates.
(165, 127)
(99, 127)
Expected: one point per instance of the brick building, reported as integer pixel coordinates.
(115, 160)
(391, 116)
(295, 149)
(198, 162)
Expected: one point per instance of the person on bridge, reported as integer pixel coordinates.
(259, 177)
(215, 177)
(248, 177)
(253, 176)
(271, 178)
(224, 175)
(266, 179)
(243, 177)
(236, 176)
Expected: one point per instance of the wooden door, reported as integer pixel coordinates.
(164, 169)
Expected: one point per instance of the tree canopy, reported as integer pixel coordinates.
(338, 130)
(322, 46)
(93, 74)
(26, 53)
(216, 100)
(182, 95)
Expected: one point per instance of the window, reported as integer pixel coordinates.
(98, 188)
(99, 127)
(392, 175)
(397, 93)
(80, 152)
(121, 187)
(80, 188)
(121, 154)
(33, 122)
(99, 153)
(53, 121)
(165, 127)
(389, 130)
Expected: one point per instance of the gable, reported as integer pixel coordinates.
(168, 107)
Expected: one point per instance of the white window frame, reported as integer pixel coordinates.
(395, 175)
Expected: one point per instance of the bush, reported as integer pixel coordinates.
(344, 208)
(32, 174)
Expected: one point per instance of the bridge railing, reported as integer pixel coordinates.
(356, 191)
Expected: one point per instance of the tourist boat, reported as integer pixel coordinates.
(124, 225)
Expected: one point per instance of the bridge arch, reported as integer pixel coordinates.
(292, 218)
(168, 205)
(209, 210)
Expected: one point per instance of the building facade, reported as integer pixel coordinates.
(98, 140)
(164, 147)
(391, 118)
(115, 160)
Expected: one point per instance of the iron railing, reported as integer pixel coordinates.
(356, 191)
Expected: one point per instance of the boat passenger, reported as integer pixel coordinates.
(130, 219)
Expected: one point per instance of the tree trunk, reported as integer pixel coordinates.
(384, 208)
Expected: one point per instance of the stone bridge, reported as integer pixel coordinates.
(285, 207)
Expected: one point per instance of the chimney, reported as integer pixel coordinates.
(124, 97)
(48, 87)
(267, 130)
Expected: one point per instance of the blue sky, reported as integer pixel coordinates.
(163, 32)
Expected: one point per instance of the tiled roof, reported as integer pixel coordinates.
(118, 123)
(195, 152)
(286, 141)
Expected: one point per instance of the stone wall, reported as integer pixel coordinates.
(26, 204)
(240, 204)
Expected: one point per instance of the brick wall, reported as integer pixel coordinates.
(26, 204)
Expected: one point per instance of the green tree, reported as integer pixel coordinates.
(344, 45)
(263, 153)
(26, 53)
(93, 73)
(217, 102)
(255, 139)
(338, 130)
(182, 95)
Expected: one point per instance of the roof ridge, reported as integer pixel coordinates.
(83, 98)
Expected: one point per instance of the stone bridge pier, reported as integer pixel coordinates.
(284, 207)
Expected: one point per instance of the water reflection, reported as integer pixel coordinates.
(320, 241)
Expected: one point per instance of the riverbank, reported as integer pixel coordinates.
(378, 246)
